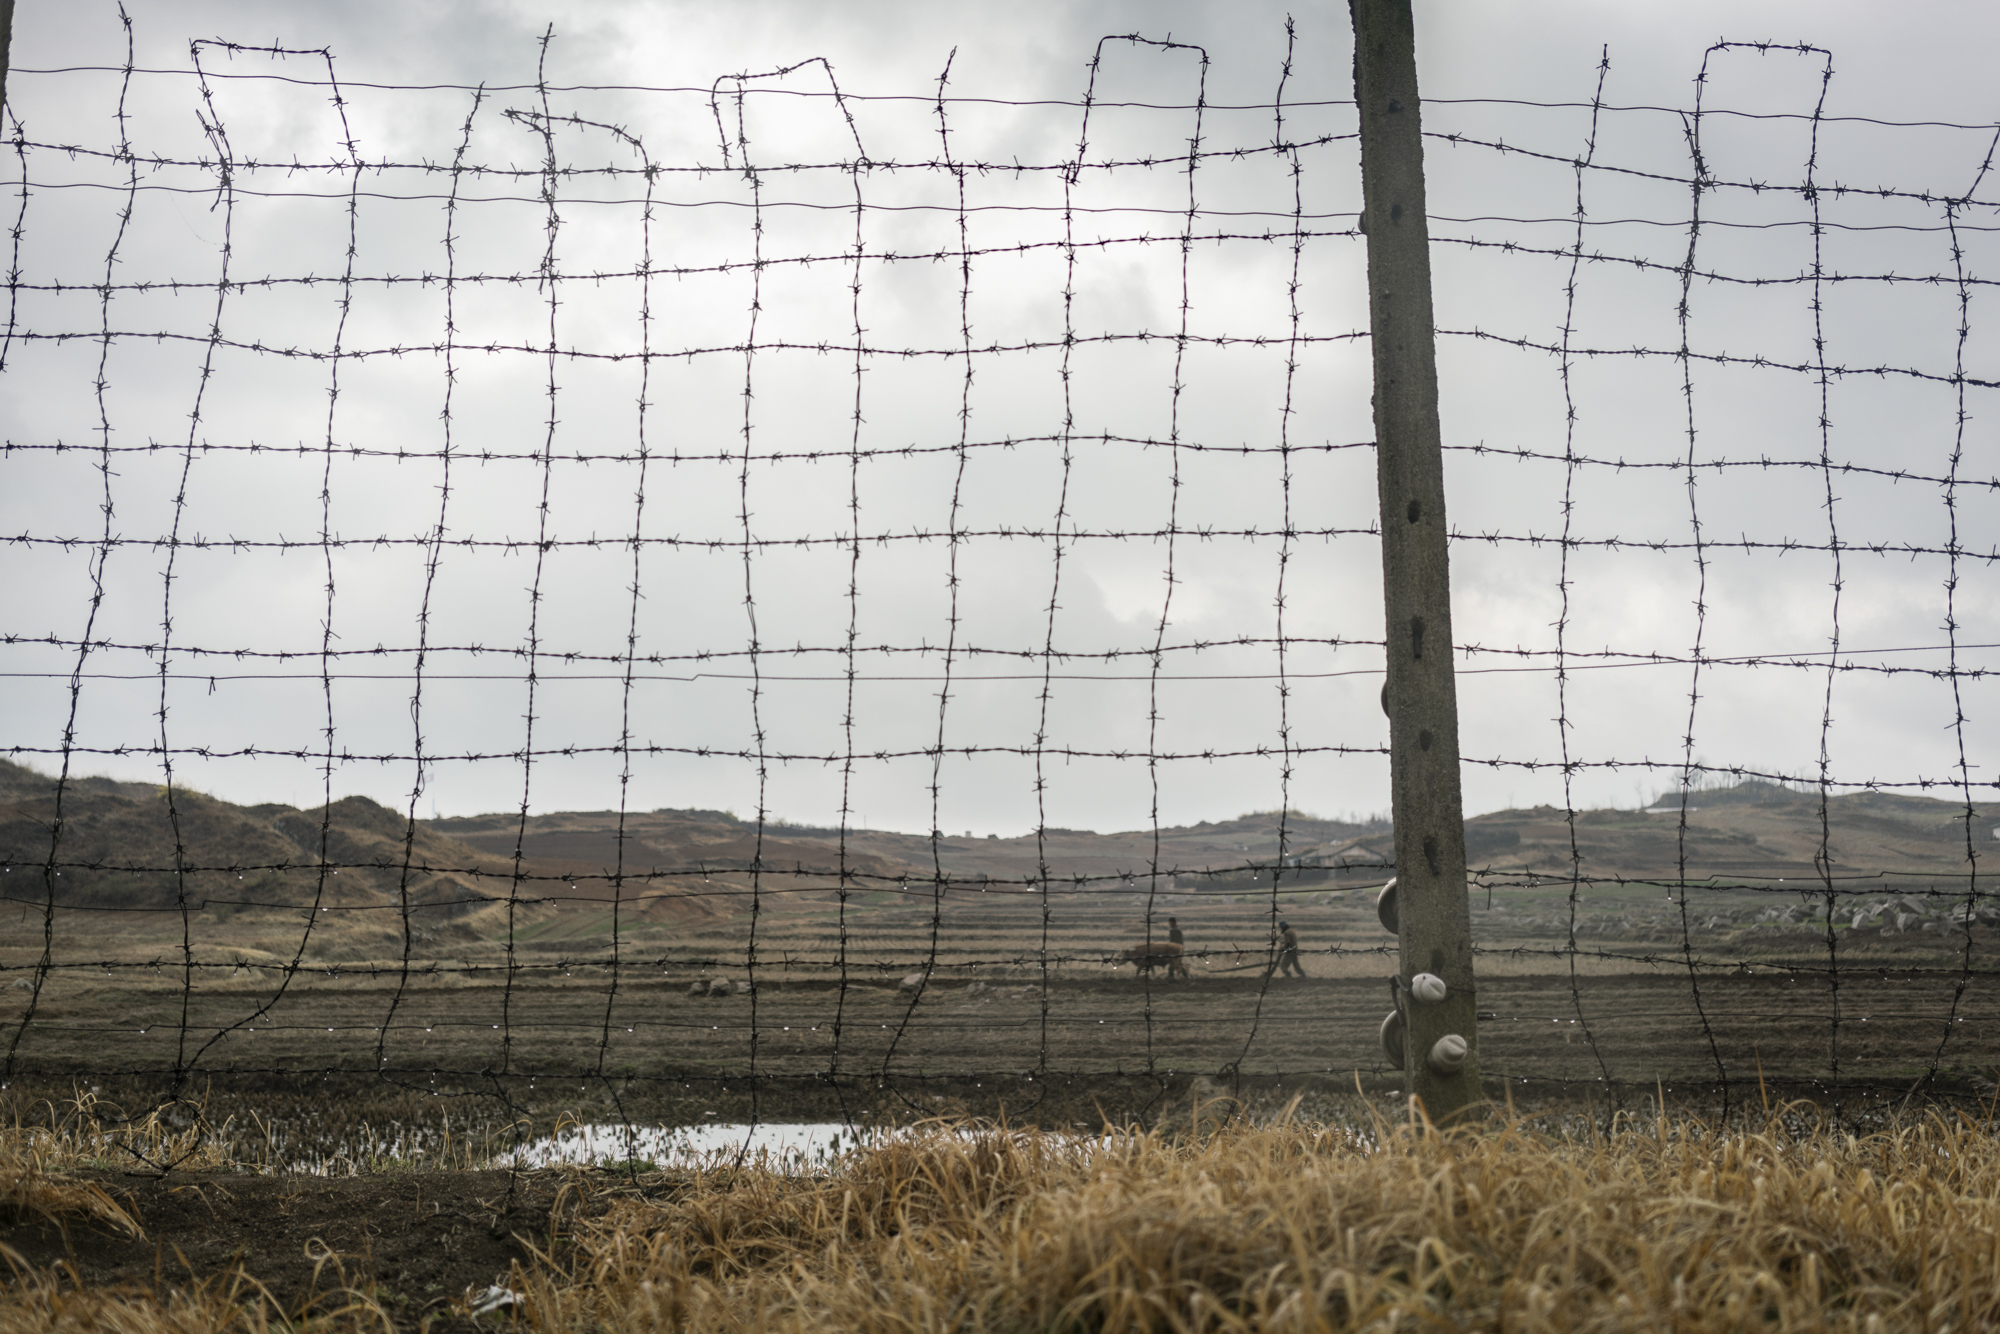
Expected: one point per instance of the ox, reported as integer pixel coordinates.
(1159, 954)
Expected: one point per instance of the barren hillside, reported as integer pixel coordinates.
(1753, 831)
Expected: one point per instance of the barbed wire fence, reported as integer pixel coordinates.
(675, 340)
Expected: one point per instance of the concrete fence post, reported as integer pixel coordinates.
(1434, 925)
(6, 43)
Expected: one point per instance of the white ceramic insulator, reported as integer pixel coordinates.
(1392, 1038)
(1448, 1054)
(1385, 908)
(1428, 988)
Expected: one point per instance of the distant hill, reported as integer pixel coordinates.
(1753, 831)
(116, 854)
(117, 850)
(719, 841)
(588, 845)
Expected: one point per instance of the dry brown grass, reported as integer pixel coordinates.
(227, 1304)
(1670, 1223)
(84, 1130)
(1659, 1225)
(28, 1191)
(37, 1162)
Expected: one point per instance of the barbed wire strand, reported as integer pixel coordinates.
(1960, 416)
(106, 508)
(1064, 445)
(755, 184)
(1177, 376)
(1234, 1070)
(1566, 371)
(218, 136)
(1286, 550)
(642, 406)
(432, 558)
(1684, 314)
(939, 878)
(1824, 384)
(550, 287)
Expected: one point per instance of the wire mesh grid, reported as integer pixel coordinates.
(622, 459)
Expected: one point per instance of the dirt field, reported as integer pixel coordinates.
(988, 1009)
(1632, 1028)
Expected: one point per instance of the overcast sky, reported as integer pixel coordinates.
(1125, 485)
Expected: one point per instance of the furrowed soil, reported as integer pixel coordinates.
(1632, 1028)
(1019, 984)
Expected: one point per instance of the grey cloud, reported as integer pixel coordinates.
(1112, 593)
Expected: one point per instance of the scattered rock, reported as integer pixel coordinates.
(495, 1298)
(697, 988)
(720, 987)
(912, 984)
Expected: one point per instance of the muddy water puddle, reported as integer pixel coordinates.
(793, 1147)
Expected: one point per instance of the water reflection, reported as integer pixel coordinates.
(786, 1147)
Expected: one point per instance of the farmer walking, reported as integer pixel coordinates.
(1288, 953)
(1174, 936)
